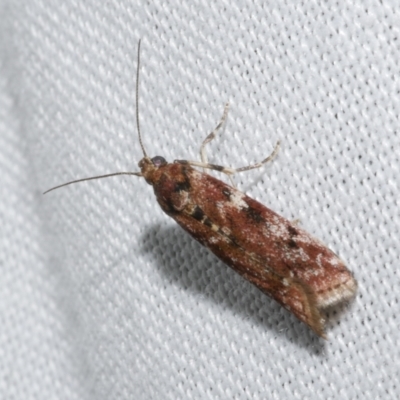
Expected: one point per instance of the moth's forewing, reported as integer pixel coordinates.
(281, 259)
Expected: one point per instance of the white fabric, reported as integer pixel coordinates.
(102, 296)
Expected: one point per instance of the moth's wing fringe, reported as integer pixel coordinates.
(317, 323)
(309, 313)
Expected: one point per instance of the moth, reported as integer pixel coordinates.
(278, 257)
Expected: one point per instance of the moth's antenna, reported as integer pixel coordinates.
(137, 100)
(140, 139)
(91, 178)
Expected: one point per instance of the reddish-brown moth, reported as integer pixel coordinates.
(281, 259)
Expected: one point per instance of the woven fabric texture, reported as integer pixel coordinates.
(102, 296)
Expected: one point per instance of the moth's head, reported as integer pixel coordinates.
(148, 166)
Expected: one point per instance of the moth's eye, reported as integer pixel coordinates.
(158, 161)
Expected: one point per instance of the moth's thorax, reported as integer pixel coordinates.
(150, 168)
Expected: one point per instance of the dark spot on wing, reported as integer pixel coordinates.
(292, 231)
(233, 240)
(198, 213)
(227, 193)
(292, 244)
(182, 186)
(254, 214)
(207, 222)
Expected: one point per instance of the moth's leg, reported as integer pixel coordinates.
(260, 164)
(211, 136)
(226, 170)
(231, 171)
